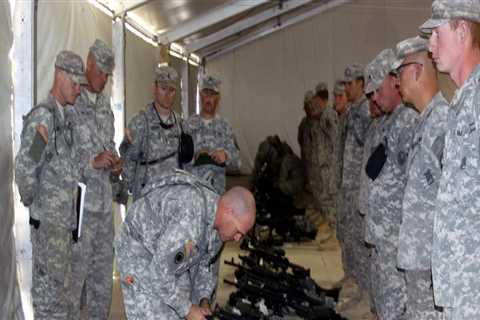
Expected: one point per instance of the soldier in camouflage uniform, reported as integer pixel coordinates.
(454, 44)
(214, 142)
(321, 161)
(384, 216)
(340, 105)
(371, 141)
(305, 127)
(150, 146)
(92, 257)
(419, 86)
(349, 222)
(169, 241)
(47, 177)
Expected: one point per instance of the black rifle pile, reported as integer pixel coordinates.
(269, 286)
(278, 177)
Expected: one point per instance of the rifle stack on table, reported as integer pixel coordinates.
(269, 286)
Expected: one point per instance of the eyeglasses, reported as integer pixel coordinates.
(402, 66)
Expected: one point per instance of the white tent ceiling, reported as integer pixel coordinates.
(211, 27)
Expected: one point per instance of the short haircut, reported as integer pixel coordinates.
(474, 28)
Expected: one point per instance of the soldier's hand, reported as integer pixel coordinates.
(117, 166)
(128, 135)
(205, 305)
(104, 160)
(219, 156)
(196, 313)
(43, 132)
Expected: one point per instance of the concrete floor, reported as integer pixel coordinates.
(322, 257)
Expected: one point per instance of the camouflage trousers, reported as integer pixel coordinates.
(51, 256)
(92, 266)
(388, 284)
(360, 253)
(346, 236)
(420, 303)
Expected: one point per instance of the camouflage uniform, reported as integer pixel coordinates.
(154, 149)
(320, 167)
(349, 222)
(385, 204)
(363, 263)
(455, 256)
(212, 135)
(166, 247)
(52, 198)
(424, 168)
(92, 256)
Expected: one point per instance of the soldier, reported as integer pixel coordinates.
(214, 142)
(349, 223)
(455, 47)
(341, 107)
(305, 127)
(92, 256)
(321, 164)
(388, 176)
(419, 87)
(371, 141)
(150, 146)
(168, 243)
(47, 176)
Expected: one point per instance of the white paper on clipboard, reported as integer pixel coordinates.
(81, 190)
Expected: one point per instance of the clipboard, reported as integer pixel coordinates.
(81, 190)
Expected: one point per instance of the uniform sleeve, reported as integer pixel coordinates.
(31, 155)
(207, 276)
(233, 154)
(181, 220)
(130, 152)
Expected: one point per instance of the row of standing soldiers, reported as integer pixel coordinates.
(69, 138)
(407, 218)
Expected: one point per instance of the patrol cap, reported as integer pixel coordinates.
(103, 56)
(321, 86)
(378, 69)
(210, 82)
(166, 75)
(445, 10)
(72, 64)
(339, 87)
(408, 47)
(353, 71)
(308, 96)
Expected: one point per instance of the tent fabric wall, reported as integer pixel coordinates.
(264, 82)
(192, 88)
(140, 60)
(10, 307)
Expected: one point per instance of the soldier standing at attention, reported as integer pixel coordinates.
(321, 165)
(46, 173)
(92, 257)
(214, 141)
(419, 87)
(455, 47)
(382, 222)
(349, 223)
